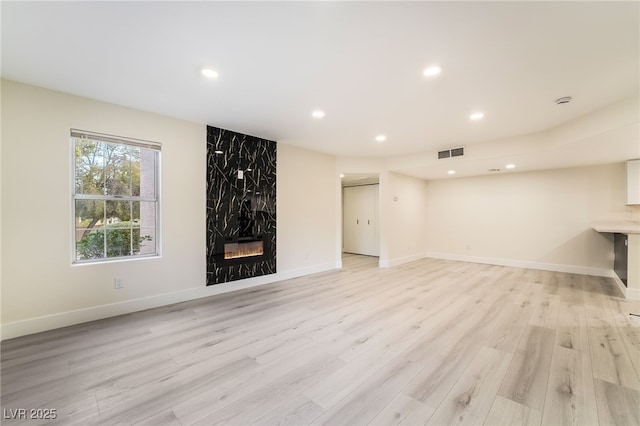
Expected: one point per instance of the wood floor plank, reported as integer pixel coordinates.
(609, 356)
(244, 383)
(526, 378)
(164, 418)
(507, 412)
(628, 326)
(456, 348)
(297, 411)
(545, 312)
(572, 328)
(403, 410)
(414, 325)
(470, 399)
(157, 392)
(364, 360)
(570, 395)
(617, 405)
(363, 404)
(81, 385)
(272, 396)
(507, 333)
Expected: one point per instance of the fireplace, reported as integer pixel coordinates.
(243, 249)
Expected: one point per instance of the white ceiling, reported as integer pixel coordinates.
(361, 62)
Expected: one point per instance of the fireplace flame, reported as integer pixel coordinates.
(236, 250)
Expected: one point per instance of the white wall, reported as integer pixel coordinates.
(41, 289)
(403, 217)
(538, 218)
(306, 210)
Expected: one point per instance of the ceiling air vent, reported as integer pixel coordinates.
(563, 100)
(457, 152)
(453, 152)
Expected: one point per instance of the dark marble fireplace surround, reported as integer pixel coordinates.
(241, 206)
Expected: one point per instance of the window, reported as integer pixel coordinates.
(115, 197)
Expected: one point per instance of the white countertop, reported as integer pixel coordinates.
(621, 227)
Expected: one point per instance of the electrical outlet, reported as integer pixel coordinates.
(118, 283)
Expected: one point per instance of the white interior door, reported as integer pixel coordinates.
(360, 219)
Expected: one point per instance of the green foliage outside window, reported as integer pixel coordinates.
(123, 239)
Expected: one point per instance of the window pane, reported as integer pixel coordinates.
(91, 245)
(89, 213)
(118, 169)
(147, 240)
(123, 228)
(118, 228)
(134, 162)
(89, 230)
(118, 211)
(119, 239)
(89, 167)
(147, 223)
(146, 179)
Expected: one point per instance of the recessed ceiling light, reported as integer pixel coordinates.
(432, 71)
(452, 172)
(477, 116)
(341, 175)
(209, 72)
(317, 113)
(381, 138)
(510, 166)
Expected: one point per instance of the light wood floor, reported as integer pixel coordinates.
(433, 341)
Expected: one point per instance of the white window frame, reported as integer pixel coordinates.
(114, 140)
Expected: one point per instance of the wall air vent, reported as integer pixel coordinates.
(453, 152)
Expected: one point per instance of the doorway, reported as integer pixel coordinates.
(360, 215)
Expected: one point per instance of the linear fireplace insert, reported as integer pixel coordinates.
(243, 249)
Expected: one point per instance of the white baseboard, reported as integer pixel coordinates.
(630, 293)
(390, 263)
(79, 316)
(295, 273)
(572, 269)
(627, 292)
(633, 294)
